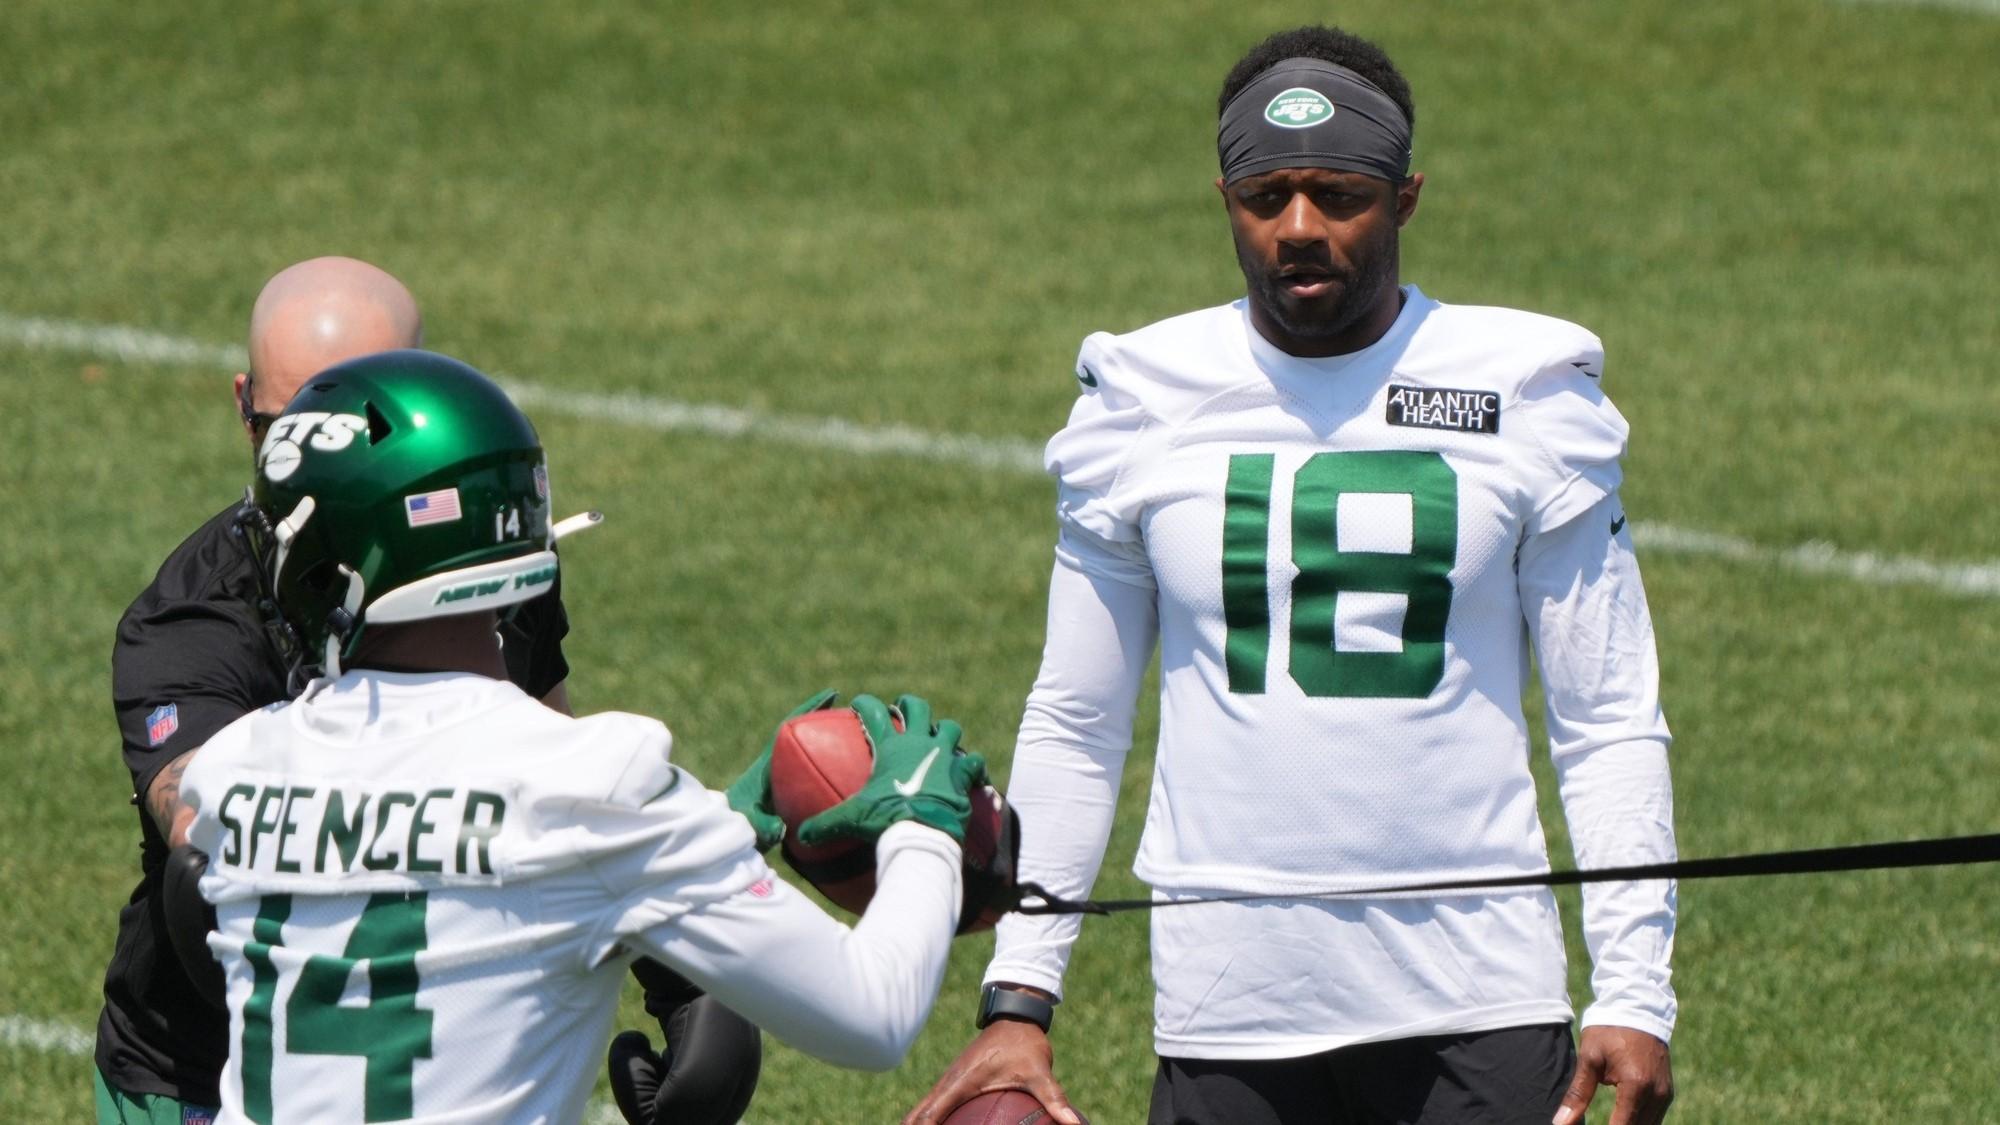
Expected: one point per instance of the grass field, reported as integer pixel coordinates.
(1779, 214)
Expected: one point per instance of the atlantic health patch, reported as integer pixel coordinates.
(1440, 408)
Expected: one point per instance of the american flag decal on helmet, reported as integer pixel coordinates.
(432, 507)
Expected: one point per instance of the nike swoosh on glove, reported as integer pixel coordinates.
(919, 774)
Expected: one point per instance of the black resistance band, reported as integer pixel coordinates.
(1945, 852)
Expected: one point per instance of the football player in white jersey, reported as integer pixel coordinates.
(428, 886)
(1345, 512)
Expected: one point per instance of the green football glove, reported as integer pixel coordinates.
(751, 793)
(920, 774)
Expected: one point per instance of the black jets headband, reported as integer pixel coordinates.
(1307, 113)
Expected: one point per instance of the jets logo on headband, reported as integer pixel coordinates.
(1287, 118)
(1298, 108)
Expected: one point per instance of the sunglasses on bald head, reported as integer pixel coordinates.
(258, 421)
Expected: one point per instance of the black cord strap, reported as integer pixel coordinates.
(1944, 852)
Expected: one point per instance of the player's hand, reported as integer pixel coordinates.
(710, 1069)
(1007, 1055)
(920, 774)
(1635, 1062)
(751, 793)
(189, 918)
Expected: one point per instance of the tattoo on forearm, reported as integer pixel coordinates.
(163, 796)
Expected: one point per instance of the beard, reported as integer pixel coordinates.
(1353, 293)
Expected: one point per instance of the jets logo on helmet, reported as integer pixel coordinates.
(292, 434)
(375, 495)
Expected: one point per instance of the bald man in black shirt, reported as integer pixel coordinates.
(192, 654)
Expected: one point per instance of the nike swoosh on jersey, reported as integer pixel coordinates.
(1583, 367)
(672, 784)
(909, 788)
(1618, 523)
(1086, 376)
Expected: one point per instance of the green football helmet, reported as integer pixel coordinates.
(394, 488)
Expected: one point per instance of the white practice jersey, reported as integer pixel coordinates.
(429, 888)
(1344, 562)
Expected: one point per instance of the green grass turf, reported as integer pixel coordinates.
(1779, 215)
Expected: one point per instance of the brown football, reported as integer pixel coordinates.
(821, 758)
(1001, 1107)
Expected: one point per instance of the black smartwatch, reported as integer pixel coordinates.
(999, 1002)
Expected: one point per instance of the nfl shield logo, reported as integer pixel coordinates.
(197, 1115)
(162, 723)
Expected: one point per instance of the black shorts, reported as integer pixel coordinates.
(1514, 1076)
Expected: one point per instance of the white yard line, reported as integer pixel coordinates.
(1977, 579)
(45, 1036)
(113, 341)
(837, 434)
(650, 412)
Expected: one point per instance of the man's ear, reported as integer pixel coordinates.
(1406, 198)
(241, 386)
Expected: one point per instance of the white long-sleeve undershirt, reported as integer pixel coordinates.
(1593, 638)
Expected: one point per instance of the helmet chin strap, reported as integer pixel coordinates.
(345, 619)
(287, 530)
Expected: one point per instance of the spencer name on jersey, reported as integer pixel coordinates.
(333, 829)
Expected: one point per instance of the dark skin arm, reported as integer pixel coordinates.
(1006, 1055)
(1635, 1062)
(163, 801)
